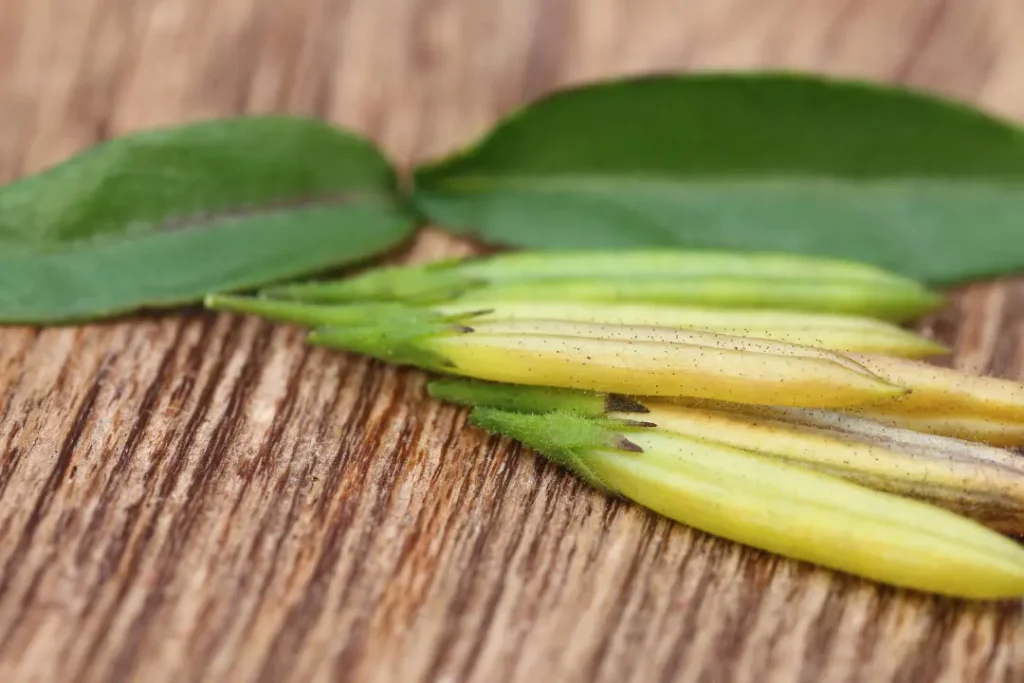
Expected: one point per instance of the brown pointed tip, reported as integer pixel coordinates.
(638, 423)
(617, 403)
(624, 444)
(465, 329)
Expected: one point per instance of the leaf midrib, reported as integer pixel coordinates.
(594, 183)
(199, 221)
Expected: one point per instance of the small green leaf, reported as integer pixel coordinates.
(775, 162)
(167, 216)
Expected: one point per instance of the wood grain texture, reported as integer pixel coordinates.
(192, 497)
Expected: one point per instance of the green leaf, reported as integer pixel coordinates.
(772, 162)
(164, 217)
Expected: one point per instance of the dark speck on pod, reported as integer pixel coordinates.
(624, 444)
(639, 423)
(617, 403)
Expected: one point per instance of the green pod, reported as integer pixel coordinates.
(663, 276)
(889, 301)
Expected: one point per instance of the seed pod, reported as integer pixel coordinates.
(977, 481)
(1004, 431)
(980, 482)
(981, 407)
(833, 332)
(777, 507)
(821, 330)
(884, 301)
(698, 364)
(655, 334)
(945, 402)
(694, 277)
(318, 315)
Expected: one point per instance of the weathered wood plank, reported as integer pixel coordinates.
(202, 498)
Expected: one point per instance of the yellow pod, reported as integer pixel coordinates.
(822, 330)
(697, 364)
(768, 504)
(1002, 431)
(984, 483)
(936, 389)
(972, 479)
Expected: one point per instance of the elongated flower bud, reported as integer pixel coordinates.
(978, 481)
(697, 364)
(984, 483)
(835, 332)
(660, 335)
(518, 266)
(945, 402)
(696, 277)
(879, 300)
(781, 508)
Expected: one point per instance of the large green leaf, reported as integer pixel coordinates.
(747, 161)
(164, 217)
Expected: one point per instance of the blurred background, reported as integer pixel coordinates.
(423, 76)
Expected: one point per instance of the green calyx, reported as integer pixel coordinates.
(402, 343)
(563, 438)
(530, 399)
(423, 284)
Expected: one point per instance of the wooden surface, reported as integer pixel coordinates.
(195, 497)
